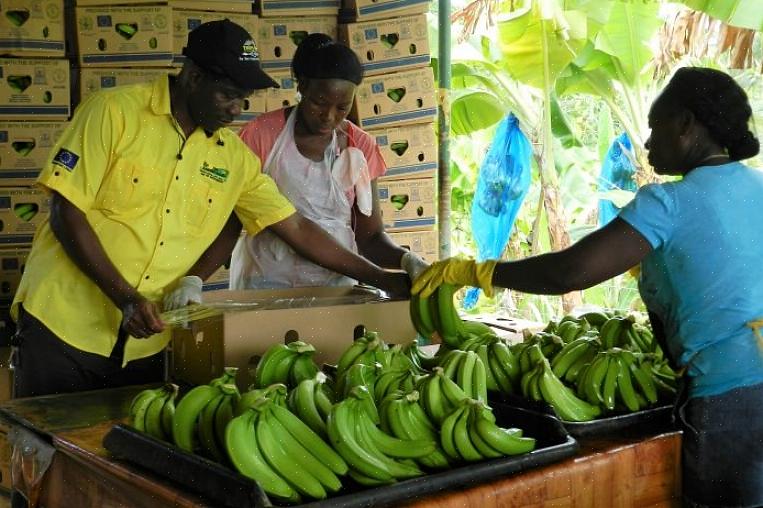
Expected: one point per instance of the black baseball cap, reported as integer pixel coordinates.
(225, 48)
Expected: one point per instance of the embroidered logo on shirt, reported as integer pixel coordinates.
(216, 174)
(66, 159)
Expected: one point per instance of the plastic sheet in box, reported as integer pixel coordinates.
(227, 488)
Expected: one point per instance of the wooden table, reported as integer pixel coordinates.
(632, 470)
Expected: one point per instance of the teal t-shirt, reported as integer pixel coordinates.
(704, 278)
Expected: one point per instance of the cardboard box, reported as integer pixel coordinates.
(277, 38)
(218, 280)
(409, 151)
(363, 10)
(329, 318)
(408, 205)
(124, 36)
(21, 211)
(275, 8)
(32, 28)
(34, 89)
(278, 98)
(12, 264)
(423, 243)
(389, 45)
(245, 6)
(25, 148)
(395, 99)
(93, 79)
(184, 20)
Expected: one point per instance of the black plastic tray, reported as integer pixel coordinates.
(652, 420)
(229, 489)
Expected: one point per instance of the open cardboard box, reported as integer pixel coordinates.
(329, 318)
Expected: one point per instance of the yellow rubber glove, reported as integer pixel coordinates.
(458, 272)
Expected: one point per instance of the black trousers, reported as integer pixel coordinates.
(44, 364)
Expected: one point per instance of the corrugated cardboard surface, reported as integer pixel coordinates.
(12, 263)
(277, 38)
(328, 322)
(13, 229)
(389, 45)
(363, 10)
(204, 5)
(34, 89)
(184, 20)
(375, 107)
(93, 79)
(273, 8)
(32, 28)
(408, 205)
(99, 42)
(423, 243)
(409, 151)
(278, 98)
(25, 148)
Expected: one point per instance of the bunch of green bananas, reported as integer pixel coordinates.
(468, 370)
(311, 400)
(469, 433)
(271, 445)
(276, 392)
(574, 356)
(368, 349)
(359, 374)
(440, 394)
(26, 211)
(374, 457)
(420, 360)
(152, 411)
(394, 379)
(541, 384)
(286, 363)
(401, 415)
(437, 313)
(202, 414)
(501, 365)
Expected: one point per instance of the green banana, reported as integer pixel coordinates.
(276, 392)
(434, 400)
(302, 368)
(625, 387)
(452, 393)
(449, 318)
(302, 403)
(153, 416)
(610, 384)
(341, 432)
(308, 458)
(595, 378)
(306, 437)
(139, 405)
(465, 374)
(272, 447)
(482, 447)
(205, 429)
(350, 355)
(274, 366)
(395, 447)
(643, 376)
(500, 439)
(447, 433)
(187, 413)
(462, 440)
(246, 457)
(565, 403)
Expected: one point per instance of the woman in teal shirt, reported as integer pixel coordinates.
(700, 244)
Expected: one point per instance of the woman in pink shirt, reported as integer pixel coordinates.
(326, 166)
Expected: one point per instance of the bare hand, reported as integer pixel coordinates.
(140, 319)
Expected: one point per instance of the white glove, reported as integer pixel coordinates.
(413, 264)
(187, 291)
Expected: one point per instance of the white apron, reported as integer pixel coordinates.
(317, 191)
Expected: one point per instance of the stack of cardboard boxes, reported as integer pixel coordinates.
(34, 106)
(396, 104)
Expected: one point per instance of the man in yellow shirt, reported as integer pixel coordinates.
(141, 183)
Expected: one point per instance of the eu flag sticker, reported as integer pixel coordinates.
(66, 159)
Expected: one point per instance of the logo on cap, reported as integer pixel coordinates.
(249, 51)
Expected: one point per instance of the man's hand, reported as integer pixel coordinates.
(458, 272)
(187, 291)
(140, 318)
(413, 264)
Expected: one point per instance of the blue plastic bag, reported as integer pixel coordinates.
(617, 172)
(502, 184)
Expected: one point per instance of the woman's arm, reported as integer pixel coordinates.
(597, 257)
(373, 242)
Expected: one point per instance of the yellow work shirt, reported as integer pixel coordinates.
(154, 211)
